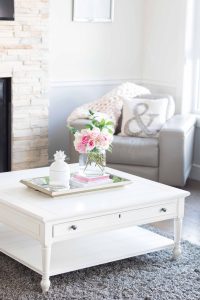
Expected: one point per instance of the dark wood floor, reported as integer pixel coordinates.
(191, 222)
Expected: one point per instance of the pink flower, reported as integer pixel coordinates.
(81, 148)
(103, 141)
(85, 139)
(94, 133)
(91, 145)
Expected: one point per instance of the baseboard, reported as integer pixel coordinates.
(195, 172)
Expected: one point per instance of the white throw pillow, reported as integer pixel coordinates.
(143, 117)
(111, 103)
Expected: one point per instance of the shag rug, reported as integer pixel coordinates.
(152, 276)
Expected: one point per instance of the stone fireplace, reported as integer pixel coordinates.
(24, 59)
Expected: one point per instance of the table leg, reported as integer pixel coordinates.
(46, 256)
(177, 237)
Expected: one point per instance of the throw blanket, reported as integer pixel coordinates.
(110, 104)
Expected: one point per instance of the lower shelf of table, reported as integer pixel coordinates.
(82, 252)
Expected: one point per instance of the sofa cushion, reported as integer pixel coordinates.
(170, 106)
(141, 171)
(143, 117)
(134, 151)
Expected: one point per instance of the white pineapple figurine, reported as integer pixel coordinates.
(59, 171)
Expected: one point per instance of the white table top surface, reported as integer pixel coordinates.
(138, 194)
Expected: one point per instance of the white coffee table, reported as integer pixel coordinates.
(57, 235)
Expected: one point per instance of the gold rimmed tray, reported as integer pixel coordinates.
(41, 184)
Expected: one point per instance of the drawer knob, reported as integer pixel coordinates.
(163, 209)
(120, 216)
(73, 227)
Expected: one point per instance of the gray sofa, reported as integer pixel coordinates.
(167, 159)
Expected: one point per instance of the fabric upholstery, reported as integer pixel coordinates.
(176, 150)
(134, 151)
(145, 172)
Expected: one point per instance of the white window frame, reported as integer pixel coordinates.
(196, 60)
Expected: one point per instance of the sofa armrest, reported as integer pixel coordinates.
(73, 154)
(176, 141)
(79, 124)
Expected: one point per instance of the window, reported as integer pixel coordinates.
(191, 82)
(196, 58)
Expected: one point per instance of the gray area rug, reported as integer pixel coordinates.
(152, 277)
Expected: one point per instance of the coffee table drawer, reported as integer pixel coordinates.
(74, 228)
(148, 212)
(121, 219)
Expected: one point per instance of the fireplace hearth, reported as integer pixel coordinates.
(5, 124)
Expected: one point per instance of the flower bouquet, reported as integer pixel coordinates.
(92, 142)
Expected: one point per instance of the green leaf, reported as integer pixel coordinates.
(102, 122)
(72, 129)
(110, 131)
(95, 123)
(91, 112)
(89, 126)
(117, 179)
(109, 123)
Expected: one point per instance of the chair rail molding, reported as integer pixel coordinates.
(159, 86)
(71, 83)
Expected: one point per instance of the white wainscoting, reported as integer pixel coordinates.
(67, 95)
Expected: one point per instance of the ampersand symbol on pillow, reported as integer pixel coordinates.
(139, 110)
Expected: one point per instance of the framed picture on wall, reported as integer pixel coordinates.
(93, 10)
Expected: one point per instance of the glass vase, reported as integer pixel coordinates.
(92, 163)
